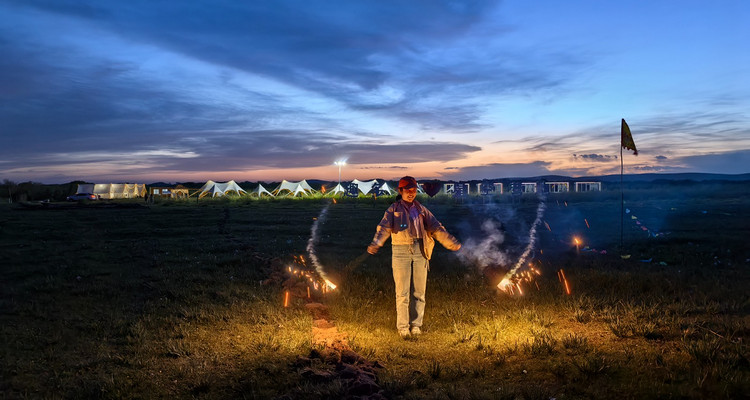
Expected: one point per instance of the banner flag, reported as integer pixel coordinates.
(627, 138)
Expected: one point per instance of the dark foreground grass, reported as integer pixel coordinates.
(167, 302)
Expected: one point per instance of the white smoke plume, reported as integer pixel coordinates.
(313, 241)
(485, 251)
(506, 281)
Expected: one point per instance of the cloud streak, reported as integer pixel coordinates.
(219, 86)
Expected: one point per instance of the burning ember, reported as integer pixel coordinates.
(512, 279)
(304, 278)
(313, 277)
(563, 280)
(512, 283)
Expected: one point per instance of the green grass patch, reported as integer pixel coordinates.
(168, 301)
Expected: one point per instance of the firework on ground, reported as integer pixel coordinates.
(514, 284)
(302, 271)
(313, 241)
(510, 279)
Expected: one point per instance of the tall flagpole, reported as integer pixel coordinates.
(626, 141)
(622, 204)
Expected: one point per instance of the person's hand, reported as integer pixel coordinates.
(372, 249)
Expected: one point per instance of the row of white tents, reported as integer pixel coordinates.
(113, 190)
(289, 188)
(218, 189)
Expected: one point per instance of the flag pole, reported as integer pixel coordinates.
(622, 204)
(626, 141)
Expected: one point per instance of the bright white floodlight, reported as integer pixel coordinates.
(340, 163)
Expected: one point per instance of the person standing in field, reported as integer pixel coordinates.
(413, 230)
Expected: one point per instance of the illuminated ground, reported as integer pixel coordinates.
(174, 301)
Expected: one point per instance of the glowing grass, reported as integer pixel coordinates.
(167, 302)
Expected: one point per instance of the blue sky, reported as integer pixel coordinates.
(198, 90)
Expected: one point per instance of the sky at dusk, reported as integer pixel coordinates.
(145, 91)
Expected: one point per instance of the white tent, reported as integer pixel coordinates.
(114, 190)
(218, 189)
(260, 190)
(364, 187)
(206, 186)
(85, 188)
(294, 188)
(386, 188)
(338, 189)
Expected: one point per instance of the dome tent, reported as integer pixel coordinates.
(218, 189)
(260, 190)
(294, 188)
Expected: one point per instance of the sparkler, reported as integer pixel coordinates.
(513, 284)
(507, 281)
(313, 279)
(314, 239)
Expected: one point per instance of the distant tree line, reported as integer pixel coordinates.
(33, 191)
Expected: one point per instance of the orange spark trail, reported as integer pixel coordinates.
(314, 238)
(506, 282)
(561, 276)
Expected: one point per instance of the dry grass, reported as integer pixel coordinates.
(166, 301)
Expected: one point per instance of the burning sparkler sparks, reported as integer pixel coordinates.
(507, 282)
(314, 239)
(514, 283)
(301, 272)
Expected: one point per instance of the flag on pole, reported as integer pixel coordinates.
(627, 138)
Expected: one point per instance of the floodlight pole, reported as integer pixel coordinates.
(340, 164)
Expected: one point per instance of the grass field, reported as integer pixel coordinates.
(170, 300)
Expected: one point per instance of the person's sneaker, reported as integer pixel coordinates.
(415, 330)
(404, 333)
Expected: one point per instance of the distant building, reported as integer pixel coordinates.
(588, 186)
(487, 187)
(177, 192)
(455, 188)
(557, 187)
(528, 187)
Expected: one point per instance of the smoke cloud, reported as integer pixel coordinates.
(485, 251)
